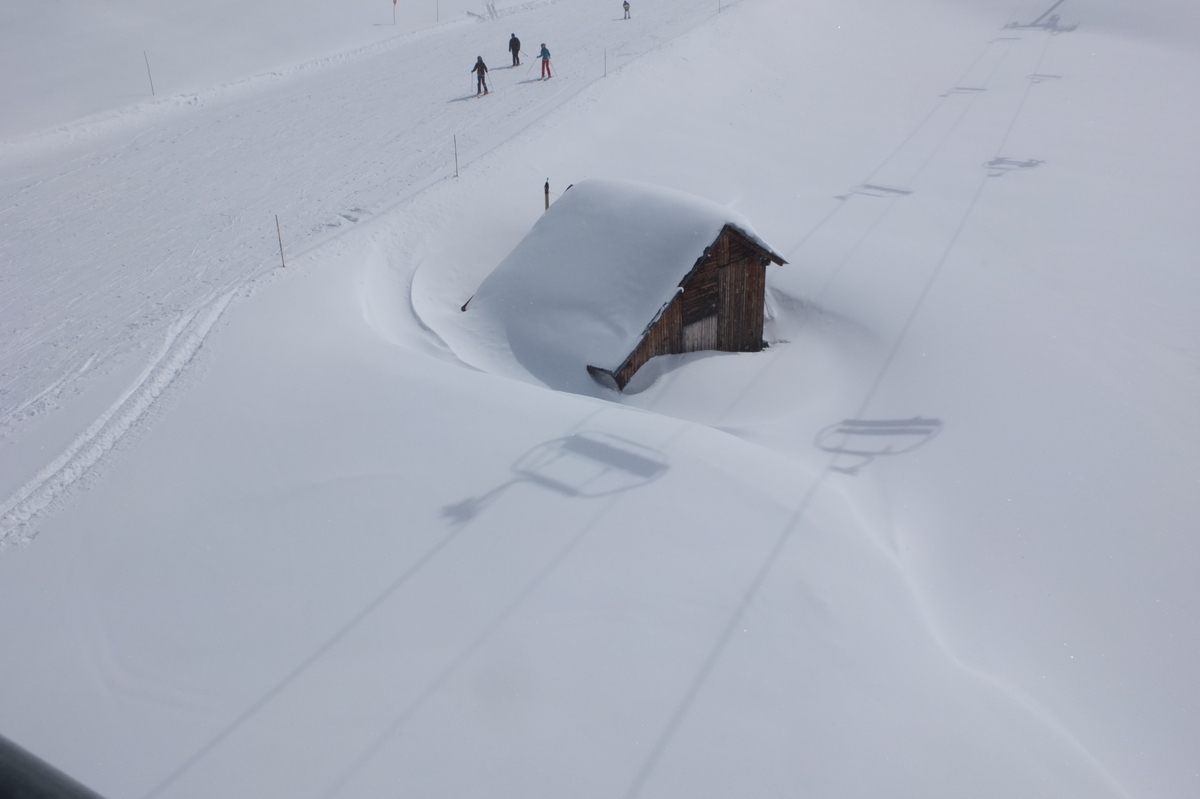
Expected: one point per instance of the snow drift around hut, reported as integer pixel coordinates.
(594, 272)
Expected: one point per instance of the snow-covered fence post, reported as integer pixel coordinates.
(279, 233)
(148, 75)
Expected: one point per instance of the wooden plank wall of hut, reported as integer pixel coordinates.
(743, 295)
(730, 281)
(702, 294)
(665, 337)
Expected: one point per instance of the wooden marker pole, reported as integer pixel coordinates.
(148, 75)
(547, 194)
(279, 233)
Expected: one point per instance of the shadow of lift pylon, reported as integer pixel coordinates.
(584, 465)
(869, 439)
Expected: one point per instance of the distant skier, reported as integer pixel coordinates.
(480, 69)
(626, 7)
(545, 56)
(514, 47)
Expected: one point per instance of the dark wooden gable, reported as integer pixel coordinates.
(719, 306)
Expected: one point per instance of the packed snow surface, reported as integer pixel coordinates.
(315, 532)
(582, 287)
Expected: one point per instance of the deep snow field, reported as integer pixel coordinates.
(314, 531)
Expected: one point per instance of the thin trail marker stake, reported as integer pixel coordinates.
(547, 194)
(148, 75)
(279, 233)
(456, 155)
(393, 12)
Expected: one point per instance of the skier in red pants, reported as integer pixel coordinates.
(545, 56)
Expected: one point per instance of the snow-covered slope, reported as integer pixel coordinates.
(319, 555)
(124, 239)
(74, 66)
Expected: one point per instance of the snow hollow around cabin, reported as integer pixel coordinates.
(592, 275)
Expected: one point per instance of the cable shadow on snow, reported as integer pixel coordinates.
(583, 465)
(587, 464)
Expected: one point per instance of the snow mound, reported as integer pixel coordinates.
(594, 272)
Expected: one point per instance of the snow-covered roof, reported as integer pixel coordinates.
(595, 270)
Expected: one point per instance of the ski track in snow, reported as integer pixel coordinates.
(183, 341)
(98, 269)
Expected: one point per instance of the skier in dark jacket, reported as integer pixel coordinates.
(545, 56)
(514, 47)
(480, 69)
(626, 5)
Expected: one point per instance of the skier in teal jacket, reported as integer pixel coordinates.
(545, 56)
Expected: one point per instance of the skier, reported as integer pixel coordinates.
(514, 47)
(626, 6)
(545, 56)
(480, 69)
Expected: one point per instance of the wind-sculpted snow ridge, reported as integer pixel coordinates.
(183, 341)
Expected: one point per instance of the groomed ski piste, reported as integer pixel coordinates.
(313, 531)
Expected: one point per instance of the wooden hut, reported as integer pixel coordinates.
(617, 272)
(720, 305)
